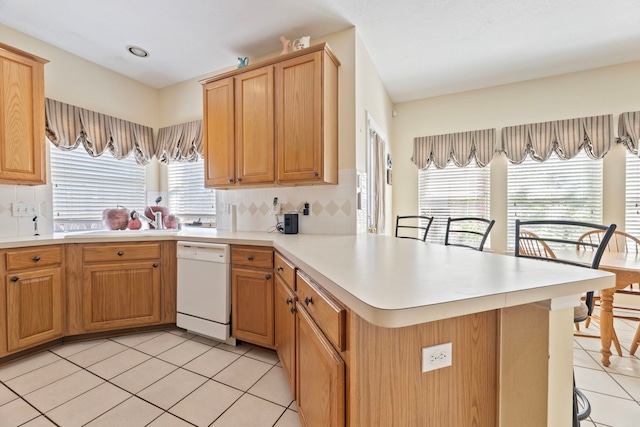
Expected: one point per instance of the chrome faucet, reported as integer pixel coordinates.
(156, 222)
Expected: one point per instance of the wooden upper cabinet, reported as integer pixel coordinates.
(284, 121)
(307, 133)
(219, 133)
(22, 138)
(254, 127)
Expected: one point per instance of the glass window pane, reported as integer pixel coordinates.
(188, 198)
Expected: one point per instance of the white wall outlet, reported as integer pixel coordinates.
(25, 209)
(436, 357)
(277, 209)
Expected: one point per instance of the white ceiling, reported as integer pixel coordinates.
(420, 48)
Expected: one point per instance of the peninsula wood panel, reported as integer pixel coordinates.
(121, 295)
(390, 388)
(219, 133)
(34, 307)
(255, 139)
(252, 302)
(22, 139)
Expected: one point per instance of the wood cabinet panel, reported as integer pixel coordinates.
(43, 256)
(328, 314)
(252, 306)
(285, 330)
(219, 133)
(121, 295)
(285, 270)
(255, 144)
(320, 376)
(254, 257)
(22, 139)
(120, 252)
(34, 307)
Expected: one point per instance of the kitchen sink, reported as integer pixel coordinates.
(119, 233)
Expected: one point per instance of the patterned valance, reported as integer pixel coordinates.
(68, 126)
(565, 137)
(180, 143)
(459, 148)
(629, 130)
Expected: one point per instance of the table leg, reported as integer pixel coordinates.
(606, 323)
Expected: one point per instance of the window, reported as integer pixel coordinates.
(554, 189)
(632, 211)
(188, 199)
(84, 186)
(452, 192)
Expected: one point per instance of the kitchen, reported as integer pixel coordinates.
(72, 80)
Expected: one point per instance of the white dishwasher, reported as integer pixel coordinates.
(204, 289)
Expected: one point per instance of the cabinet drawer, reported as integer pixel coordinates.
(253, 257)
(329, 315)
(120, 252)
(285, 270)
(45, 256)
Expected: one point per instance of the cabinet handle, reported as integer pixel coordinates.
(279, 268)
(155, 265)
(239, 179)
(267, 276)
(15, 278)
(315, 173)
(120, 253)
(308, 300)
(289, 301)
(230, 180)
(36, 258)
(294, 310)
(250, 257)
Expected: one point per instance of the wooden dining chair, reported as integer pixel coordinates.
(564, 235)
(468, 232)
(413, 222)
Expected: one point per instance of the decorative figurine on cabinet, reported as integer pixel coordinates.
(243, 62)
(286, 45)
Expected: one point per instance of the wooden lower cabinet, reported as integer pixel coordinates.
(121, 295)
(285, 330)
(34, 307)
(252, 306)
(320, 376)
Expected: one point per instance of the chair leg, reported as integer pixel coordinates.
(577, 326)
(634, 344)
(616, 343)
(587, 322)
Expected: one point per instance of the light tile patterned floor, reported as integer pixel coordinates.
(157, 379)
(173, 378)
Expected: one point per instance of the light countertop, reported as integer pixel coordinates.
(394, 282)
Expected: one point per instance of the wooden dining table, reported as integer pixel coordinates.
(626, 267)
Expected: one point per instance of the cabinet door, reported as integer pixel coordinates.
(299, 117)
(22, 149)
(34, 307)
(219, 133)
(254, 127)
(121, 295)
(252, 306)
(285, 333)
(320, 376)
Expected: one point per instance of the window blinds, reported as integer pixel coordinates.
(632, 211)
(84, 186)
(452, 192)
(554, 189)
(188, 198)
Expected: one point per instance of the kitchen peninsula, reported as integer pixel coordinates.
(509, 321)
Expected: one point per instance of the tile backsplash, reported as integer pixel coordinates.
(14, 226)
(333, 208)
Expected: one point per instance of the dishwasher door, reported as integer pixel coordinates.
(204, 289)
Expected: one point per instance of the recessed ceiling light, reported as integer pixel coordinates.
(137, 51)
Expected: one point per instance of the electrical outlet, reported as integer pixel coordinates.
(25, 209)
(436, 357)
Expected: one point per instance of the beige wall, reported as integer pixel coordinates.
(372, 98)
(608, 90)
